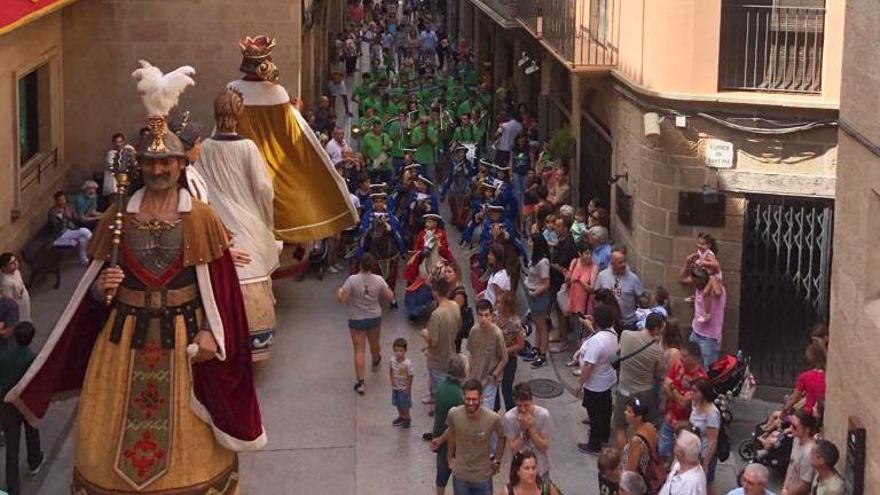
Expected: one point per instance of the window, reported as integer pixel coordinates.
(34, 116)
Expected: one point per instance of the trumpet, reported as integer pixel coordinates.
(356, 132)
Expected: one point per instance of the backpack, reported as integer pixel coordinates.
(655, 475)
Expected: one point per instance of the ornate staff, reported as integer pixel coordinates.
(125, 161)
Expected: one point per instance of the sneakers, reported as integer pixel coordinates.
(427, 436)
(359, 387)
(376, 364)
(584, 448)
(539, 362)
(36, 470)
(576, 372)
(528, 355)
(428, 400)
(572, 363)
(401, 423)
(393, 304)
(332, 269)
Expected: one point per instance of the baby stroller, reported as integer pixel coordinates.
(770, 448)
(728, 375)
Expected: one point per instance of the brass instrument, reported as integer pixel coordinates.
(123, 164)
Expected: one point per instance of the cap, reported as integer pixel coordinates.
(380, 186)
(412, 166)
(432, 216)
(426, 180)
(487, 185)
(496, 208)
(379, 195)
(487, 163)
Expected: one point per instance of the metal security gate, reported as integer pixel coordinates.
(786, 274)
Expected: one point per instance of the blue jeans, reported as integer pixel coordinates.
(667, 439)
(460, 487)
(519, 188)
(490, 392)
(443, 470)
(435, 376)
(709, 348)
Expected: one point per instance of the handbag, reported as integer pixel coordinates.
(655, 475)
(562, 298)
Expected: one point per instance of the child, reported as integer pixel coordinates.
(16, 358)
(401, 376)
(549, 231)
(579, 227)
(656, 303)
(705, 257)
(12, 286)
(609, 471)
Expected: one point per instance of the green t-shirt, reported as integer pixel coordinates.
(464, 107)
(396, 134)
(14, 362)
(449, 394)
(373, 145)
(462, 135)
(425, 144)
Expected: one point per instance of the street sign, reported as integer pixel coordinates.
(719, 154)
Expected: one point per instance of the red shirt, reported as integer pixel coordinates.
(682, 382)
(812, 384)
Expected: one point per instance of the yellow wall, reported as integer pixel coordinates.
(670, 48)
(21, 51)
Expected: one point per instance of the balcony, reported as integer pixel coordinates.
(501, 11)
(583, 34)
(772, 48)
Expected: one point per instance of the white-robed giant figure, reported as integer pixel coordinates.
(240, 191)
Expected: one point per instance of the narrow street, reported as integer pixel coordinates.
(324, 438)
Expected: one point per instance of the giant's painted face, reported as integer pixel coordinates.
(162, 173)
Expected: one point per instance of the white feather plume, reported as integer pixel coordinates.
(160, 92)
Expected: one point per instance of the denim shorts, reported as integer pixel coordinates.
(366, 324)
(667, 439)
(401, 399)
(709, 348)
(540, 304)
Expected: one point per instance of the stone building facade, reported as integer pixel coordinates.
(853, 366)
(607, 65)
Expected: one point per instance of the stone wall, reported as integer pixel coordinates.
(660, 168)
(103, 40)
(854, 354)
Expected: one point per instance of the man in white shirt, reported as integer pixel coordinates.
(597, 375)
(506, 134)
(528, 426)
(687, 476)
(336, 145)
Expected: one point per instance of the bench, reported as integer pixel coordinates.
(43, 257)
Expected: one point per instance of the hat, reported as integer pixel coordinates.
(599, 232)
(378, 187)
(432, 216)
(496, 208)
(487, 163)
(424, 179)
(412, 166)
(410, 150)
(256, 58)
(487, 185)
(89, 184)
(460, 148)
(187, 131)
(379, 195)
(501, 168)
(160, 93)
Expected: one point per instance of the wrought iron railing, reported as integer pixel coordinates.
(771, 48)
(33, 172)
(582, 32)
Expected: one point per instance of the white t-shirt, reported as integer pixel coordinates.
(502, 280)
(599, 350)
(509, 131)
(334, 149)
(690, 482)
